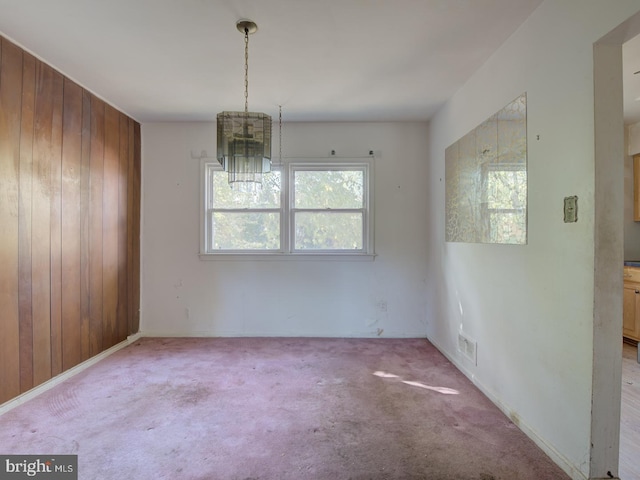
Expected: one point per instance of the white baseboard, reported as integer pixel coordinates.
(556, 456)
(49, 384)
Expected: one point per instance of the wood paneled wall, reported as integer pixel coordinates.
(69, 223)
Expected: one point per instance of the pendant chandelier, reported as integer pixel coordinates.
(244, 138)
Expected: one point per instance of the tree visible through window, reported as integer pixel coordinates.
(301, 208)
(244, 220)
(328, 211)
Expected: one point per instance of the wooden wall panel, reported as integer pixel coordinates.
(71, 250)
(95, 226)
(130, 219)
(85, 208)
(41, 225)
(55, 156)
(123, 173)
(135, 225)
(70, 223)
(110, 225)
(10, 107)
(24, 209)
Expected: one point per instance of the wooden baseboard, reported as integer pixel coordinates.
(49, 384)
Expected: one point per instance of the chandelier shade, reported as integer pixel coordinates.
(244, 145)
(244, 138)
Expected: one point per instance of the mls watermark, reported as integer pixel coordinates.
(49, 467)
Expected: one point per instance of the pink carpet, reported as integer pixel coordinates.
(275, 409)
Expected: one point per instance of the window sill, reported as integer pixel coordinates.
(260, 257)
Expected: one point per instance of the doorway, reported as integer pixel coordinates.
(609, 247)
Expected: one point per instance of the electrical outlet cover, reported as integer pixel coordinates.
(571, 209)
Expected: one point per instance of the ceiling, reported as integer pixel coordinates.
(322, 60)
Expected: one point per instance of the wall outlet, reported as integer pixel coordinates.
(468, 348)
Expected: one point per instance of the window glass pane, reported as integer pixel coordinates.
(329, 189)
(246, 231)
(328, 231)
(266, 197)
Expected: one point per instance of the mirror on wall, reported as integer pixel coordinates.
(486, 180)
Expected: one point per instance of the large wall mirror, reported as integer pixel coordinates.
(486, 180)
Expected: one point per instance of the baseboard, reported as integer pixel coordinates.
(49, 384)
(556, 456)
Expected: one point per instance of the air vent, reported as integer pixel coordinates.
(467, 347)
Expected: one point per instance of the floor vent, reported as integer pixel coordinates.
(467, 347)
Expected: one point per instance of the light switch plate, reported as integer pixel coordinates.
(571, 209)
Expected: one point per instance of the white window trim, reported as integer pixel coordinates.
(286, 252)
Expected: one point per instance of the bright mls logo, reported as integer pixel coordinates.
(50, 467)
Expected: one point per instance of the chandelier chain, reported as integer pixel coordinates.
(246, 70)
(280, 133)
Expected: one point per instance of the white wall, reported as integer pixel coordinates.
(633, 139)
(531, 308)
(182, 295)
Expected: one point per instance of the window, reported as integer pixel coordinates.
(243, 221)
(302, 208)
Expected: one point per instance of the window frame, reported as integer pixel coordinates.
(206, 248)
(287, 168)
(327, 167)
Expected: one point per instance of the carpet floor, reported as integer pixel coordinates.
(275, 409)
